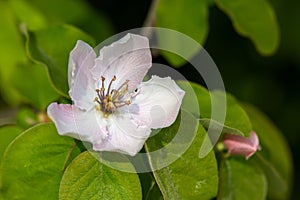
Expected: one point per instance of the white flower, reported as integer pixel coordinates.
(112, 108)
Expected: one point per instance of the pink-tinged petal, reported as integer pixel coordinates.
(124, 136)
(73, 122)
(81, 82)
(156, 103)
(254, 140)
(239, 145)
(128, 59)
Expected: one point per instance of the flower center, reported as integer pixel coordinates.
(111, 99)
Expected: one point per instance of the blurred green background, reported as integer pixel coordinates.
(272, 83)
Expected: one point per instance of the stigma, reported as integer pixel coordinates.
(111, 99)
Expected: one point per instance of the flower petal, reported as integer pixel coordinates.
(239, 145)
(254, 139)
(128, 59)
(124, 136)
(73, 122)
(81, 82)
(157, 102)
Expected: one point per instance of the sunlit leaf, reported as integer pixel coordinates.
(51, 47)
(275, 156)
(188, 17)
(188, 173)
(33, 164)
(11, 52)
(27, 13)
(87, 178)
(83, 15)
(254, 19)
(240, 179)
(7, 135)
(32, 82)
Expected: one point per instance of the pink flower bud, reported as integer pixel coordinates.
(239, 145)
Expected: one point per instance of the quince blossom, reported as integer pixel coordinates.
(112, 108)
(239, 145)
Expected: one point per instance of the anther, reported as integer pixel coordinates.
(97, 100)
(128, 102)
(113, 99)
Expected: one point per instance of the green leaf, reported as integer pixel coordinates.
(198, 100)
(240, 179)
(275, 156)
(7, 135)
(51, 47)
(11, 53)
(83, 16)
(254, 19)
(32, 165)
(87, 178)
(188, 17)
(32, 82)
(189, 177)
(27, 13)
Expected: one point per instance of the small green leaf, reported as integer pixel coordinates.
(32, 165)
(32, 82)
(275, 156)
(189, 177)
(198, 100)
(240, 179)
(87, 178)
(256, 20)
(7, 135)
(51, 47)
(188, 17)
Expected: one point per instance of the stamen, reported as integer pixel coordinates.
(102, 87)
(121, 91)
(125, 83)
(108, 90)
(113, 92)
(97, 100)
(123, 103)
(113, 99)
